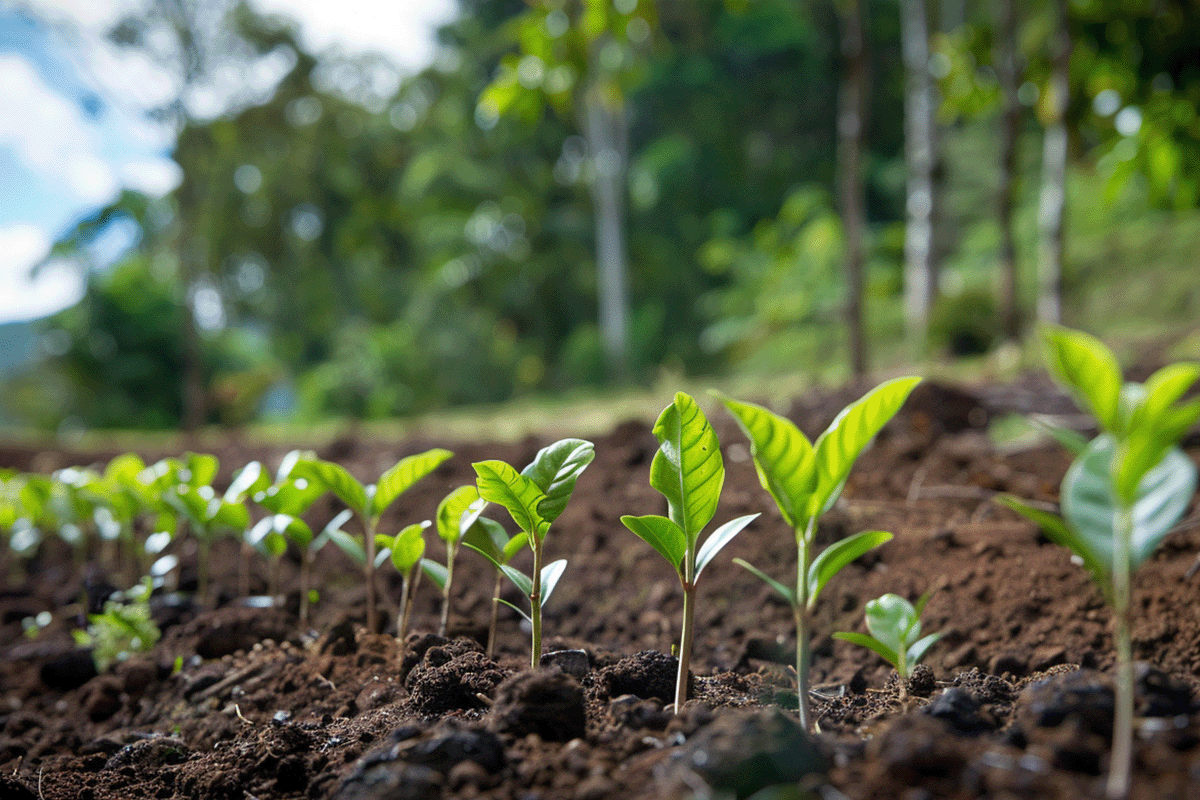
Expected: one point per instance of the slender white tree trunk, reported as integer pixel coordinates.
(920, 279)
(606, 130)
(851, 124)
(1008, 70)
(1052, 210)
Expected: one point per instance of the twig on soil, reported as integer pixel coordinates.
(40, 795)
(238, 711)
(914, 488)
(326, 681)
(483, 698)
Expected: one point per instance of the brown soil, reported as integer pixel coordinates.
(1016, 702)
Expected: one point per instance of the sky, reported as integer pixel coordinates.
(73, 129)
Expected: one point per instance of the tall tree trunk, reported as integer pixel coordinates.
(1052, 211)
(851, 124)
(1006, 62)
(605, 127)
(920, 276)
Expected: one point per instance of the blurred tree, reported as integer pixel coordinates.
(852, 109)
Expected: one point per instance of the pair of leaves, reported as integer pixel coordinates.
(689, 472)
(829, 563)
(1090, 507)
(369, 502)
(805, 479)
(537, 495)
(404, 549)
(895, 632)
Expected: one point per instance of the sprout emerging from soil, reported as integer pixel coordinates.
(456, 514)
(369, 502)
(404, 550)
(535, 497)
(895, 632)
(209, 515)
(689, 472)
(805, 479)
(489, 538)
(1123, 493)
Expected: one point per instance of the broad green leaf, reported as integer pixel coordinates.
(687, 469)
(453, 510)
(783, 458)
(833, 558)
(889, 618)
(917, 650)
(876, 646)
(1072, 441)
(246, 482)
(290, 461)
(1089, 371)
(435, 572)
(334, 524)
(336, 479)
(663, 535)
(1090, 507)
(551, 573)
(267, 536)
(718, 539)
(409, 546)
(839, 446)
(350, 545)
(233, 516)
(787, 593)
(188, 503)
(293, 496)
(499, 483)
(515, 544)
(555, 470)
(124, 468)
(402, 476)
(488, 537)
(201, 469)
(1162, 391)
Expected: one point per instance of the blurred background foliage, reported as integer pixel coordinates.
(342, 251)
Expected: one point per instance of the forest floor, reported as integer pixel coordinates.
(239, 702)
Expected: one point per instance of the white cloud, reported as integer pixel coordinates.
(154, 177)
(57, 285)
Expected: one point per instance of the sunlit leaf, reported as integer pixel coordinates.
(500, 483)
(403, 475)
(1089, 371)
(718, 539)
(833, 558)
(409, 546)
(336, 479)
(687, 469)
(551, 573)
(555, 469)
(783, 458)
(663, 535)
(784, 591)
(452, 511)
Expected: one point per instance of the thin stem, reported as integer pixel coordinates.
(1120, 767)
(685, 643)
(491, 645)
(800, 611)
(535, 605)
(369, 574)
(273, 576)
(305, 569)
(446, 589)
(405, 604)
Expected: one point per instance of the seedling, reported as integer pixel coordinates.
(369, 502)
(895, 632)
(1122, 494)
(689, 472)
(805, 479)
(456, 514)
(405, 550)
(489, 538)
(193, 497)
(535, 497)
(122, 629)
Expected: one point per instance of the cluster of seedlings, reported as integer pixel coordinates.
(1125, 490)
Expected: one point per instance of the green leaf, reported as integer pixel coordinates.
(453, 511)
(1057, 531)
(514, 608)
(336, 479)
(918, 648)
(402, 476)
(515, 544)
(488, 537)
(889, 619)
(499, 483)
(663, 535)
(551, 573)
(201, 469)
(334, 524)
(247, 481)
(435, 572)
(787, 593)
(124, 468)
(409, 546)
(555, 469)
(687, 469)
(267, 537)
(1089, 371)
(839, 446)
(876, 646)
(1072, 441)
(783, 458)
(833, 558)
(1090, 506)
(350, 545)
(233, 516)
(519, 579)
(718, 539)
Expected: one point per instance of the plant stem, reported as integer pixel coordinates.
(800, 611)
(369, 574)
(273, 576)
(446, 590)
(685, 640)
(305, 569)
(535, 605)
(491, 645)
(1121, 760)
(405, 604)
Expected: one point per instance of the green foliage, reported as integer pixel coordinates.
(895, 632)
(123, 629)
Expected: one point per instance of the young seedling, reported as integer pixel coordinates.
(689, 472)
(535, 497)
(1122, 494)
(369, 502)
(489, 538)
(805, 479)
(895, 632)
(209, 515)
(122, 629)
(405, 550)
(456, 514)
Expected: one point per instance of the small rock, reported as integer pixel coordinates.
(922, 681)
(150, 753)
(633, 712)
(961, 711)
(69, 670)
(393, 781)
(468, 773)
(451, 749)
(572, 662)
